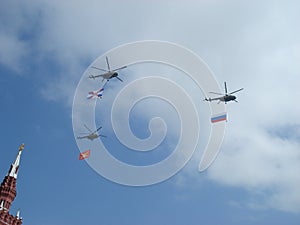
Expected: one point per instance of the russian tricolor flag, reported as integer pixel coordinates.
(84, 155)
(95, 94)
(219, 118)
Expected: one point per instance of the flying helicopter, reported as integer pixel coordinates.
(226, 97)
(108, 73)
(92, 134)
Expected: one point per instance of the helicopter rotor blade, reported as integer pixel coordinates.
(94, 67)
(123, 67)
(236, 91)
(107, 63)
(88, 128)
(101, 135)
(98, 129)
(119, 79)
(216, 93)
(225, 88)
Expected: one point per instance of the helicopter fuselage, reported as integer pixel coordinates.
(114, 74)
(225, 98)
(92, 136)
(109, 75)
(228, 98)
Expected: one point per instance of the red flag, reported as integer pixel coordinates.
(84, 155)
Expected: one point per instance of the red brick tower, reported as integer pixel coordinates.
(8, 193)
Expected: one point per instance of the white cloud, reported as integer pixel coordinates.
(259, 162)
(13, 51)
(13, 48)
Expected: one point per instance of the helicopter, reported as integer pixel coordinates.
(92, 135)
(108, 73)
(226, 97)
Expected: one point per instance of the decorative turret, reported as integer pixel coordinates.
(8, 193)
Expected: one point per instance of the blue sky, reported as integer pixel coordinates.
(45, 47)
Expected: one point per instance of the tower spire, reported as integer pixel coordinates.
(18, 214)
(13, 171)
(8, 193)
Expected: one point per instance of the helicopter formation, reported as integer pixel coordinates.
(107, 75)
(113, 73)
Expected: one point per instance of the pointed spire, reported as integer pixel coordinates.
(13, 172)
(18, 214)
